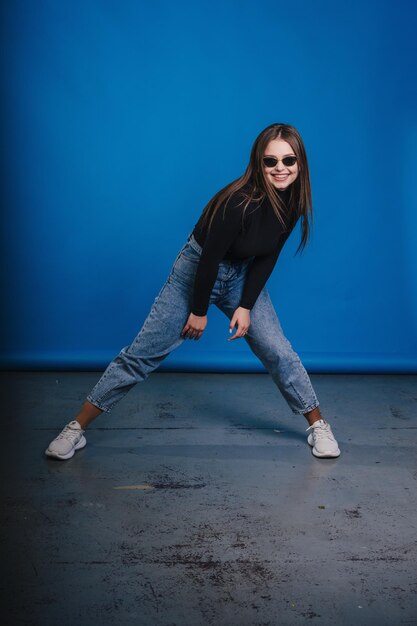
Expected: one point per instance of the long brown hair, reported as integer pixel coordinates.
(300, 202)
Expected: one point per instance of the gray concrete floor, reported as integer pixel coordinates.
(198, 501)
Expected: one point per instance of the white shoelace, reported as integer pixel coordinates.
(323, 432)
(69, 433)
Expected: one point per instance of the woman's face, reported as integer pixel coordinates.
(280, 175)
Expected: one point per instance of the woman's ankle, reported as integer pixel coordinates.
(314, 416)
(88, 413)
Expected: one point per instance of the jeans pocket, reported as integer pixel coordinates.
(189, 253)
(185, 266)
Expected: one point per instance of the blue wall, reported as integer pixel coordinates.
(120, 120)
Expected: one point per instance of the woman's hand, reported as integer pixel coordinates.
(241, 318)
(194, 327)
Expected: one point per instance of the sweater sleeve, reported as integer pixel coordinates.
(224, 230)
(258, 273)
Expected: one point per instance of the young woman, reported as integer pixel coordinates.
(226, 261)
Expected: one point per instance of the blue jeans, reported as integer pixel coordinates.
(161, 334)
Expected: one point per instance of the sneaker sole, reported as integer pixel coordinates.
(64, 457)
(325, 455)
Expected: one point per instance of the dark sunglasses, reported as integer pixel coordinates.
(287, 161)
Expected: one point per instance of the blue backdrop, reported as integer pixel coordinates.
(120, 120)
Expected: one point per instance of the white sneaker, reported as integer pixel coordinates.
(322, 440)
(68, 441)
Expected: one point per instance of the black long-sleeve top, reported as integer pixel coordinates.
(261, 236)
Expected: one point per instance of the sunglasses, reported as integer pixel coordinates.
(287, 161)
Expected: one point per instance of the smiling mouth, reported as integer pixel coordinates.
(280, 176)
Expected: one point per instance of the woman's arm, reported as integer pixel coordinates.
(259, 272)
(224, 230)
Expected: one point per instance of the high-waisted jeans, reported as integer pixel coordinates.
(161, 334)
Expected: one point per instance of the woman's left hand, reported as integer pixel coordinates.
(241, 319)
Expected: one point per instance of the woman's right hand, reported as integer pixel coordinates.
(194, 327)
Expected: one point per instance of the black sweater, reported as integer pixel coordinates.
(261, 237)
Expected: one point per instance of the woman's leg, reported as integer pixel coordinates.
(268, 342)
(158, 337)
